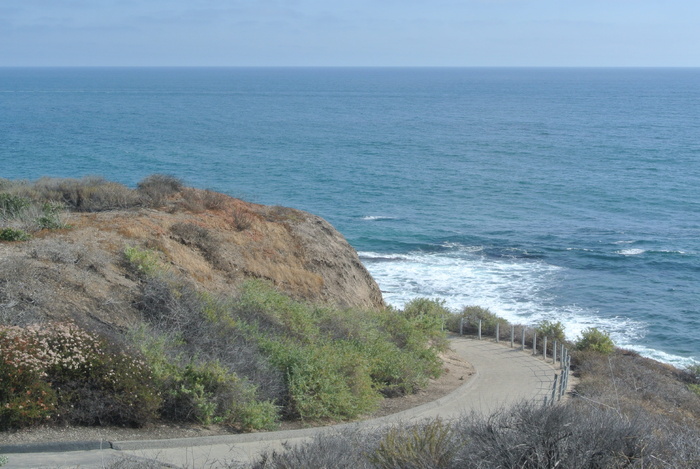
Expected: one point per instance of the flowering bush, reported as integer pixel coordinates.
(60, 371)
(24, 397)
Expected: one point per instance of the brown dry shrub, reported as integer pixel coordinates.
(85, 256)
(89, 194)
(627, 381)
(241, 218)
(214, 200)
(192, 200)
(158, 187)
(199, 237)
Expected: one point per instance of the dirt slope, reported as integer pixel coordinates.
(214, 240)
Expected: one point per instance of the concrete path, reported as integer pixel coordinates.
(503, 376)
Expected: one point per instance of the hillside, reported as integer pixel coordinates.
(165, 303)
(213, 240)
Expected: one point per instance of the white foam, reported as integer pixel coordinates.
(377, 218)
(630, 252)
(511, 288)
(518, 290)
(675, 360)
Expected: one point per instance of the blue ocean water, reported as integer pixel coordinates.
(561, 194)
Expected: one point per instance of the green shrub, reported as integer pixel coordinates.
(276, 312)
(552, 330)
(422, 446)
(11, 234)
(311, 361)
(143, 261)
(208, 393)
(11, 206)
(202, 392)
(595, 340)
(50, 216)
(257, 415)
(325, 381)
(428, 315)
(471, 316)
(695, 388)
(29, 215)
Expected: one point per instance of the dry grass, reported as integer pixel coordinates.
(628, 382)
(158, 187)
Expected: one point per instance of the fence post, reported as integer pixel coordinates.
(554, 387)
(512, 335)
(461, 326)
(561, 358)
(544, 349)
(534, 343)
(498, 332)
(565, 376)
(561, 387)
(554, 352)
(522, 336)
(479, 329)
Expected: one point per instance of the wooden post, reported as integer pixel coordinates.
(522, 336)
(479, 329)
(534, 343)
(561, 357)
(544, 349)
(461, 326)
(554, 352)
(512, 335)
(498, 332)
(561, 386)
(554, 387)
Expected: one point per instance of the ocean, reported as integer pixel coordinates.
(570, 195)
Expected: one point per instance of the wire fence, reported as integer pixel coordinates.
(526, 339)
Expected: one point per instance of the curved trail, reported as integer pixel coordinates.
(503, 376)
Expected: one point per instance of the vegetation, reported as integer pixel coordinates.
(595, 340)
(472, 315)
(246, 360)
(60, 372)
(573, 435)
(11, 234)
(256, 356)
(96, 194)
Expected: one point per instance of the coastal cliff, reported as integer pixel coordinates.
(210, 239)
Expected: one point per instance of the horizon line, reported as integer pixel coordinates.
(372, 66)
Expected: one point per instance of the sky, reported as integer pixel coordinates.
(453, 33)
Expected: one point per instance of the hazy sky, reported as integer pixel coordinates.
(350, 32)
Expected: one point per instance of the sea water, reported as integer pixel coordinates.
(570, 195)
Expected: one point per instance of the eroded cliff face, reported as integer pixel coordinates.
(81, 273)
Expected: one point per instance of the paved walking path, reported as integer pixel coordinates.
(503, 376)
